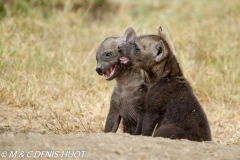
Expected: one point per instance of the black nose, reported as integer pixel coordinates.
(119, 47)
(99, 70)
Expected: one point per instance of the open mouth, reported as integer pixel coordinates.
(110, 72)
(124, 60)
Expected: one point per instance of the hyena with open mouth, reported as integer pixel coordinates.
(170, 102)
(127, 101)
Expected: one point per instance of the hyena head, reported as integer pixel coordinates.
(145, 51)
(108, 57)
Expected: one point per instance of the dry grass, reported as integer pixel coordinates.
(48, 82)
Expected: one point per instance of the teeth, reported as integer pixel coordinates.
(109, 72)
(106, 74)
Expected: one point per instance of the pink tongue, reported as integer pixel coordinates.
(124, 60)
(109, 72)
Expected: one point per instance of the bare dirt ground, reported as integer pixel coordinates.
(110, 146)
(23, 130)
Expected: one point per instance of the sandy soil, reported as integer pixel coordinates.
(110, 146)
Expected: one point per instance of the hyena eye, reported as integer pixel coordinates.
(136, 48)
(108, 54)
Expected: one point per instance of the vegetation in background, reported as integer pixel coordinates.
(48, 82)
(47, 8)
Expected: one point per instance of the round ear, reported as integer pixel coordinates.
(129, 35)
(160, 52)
(167, 38)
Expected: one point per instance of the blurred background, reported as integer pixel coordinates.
(48, 82)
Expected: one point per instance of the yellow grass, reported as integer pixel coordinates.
(48, 82)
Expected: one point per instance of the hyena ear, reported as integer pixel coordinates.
(161, 33)
(129, 35)
(159, 51)
(159, 30)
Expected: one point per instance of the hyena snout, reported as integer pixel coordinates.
(119, 47)
(124, 48)
(99, 70)
(121, 50)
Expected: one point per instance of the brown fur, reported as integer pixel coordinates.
(128, 98)
(170, 102)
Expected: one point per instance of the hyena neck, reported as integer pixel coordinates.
(129, 76)
(167, 69)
